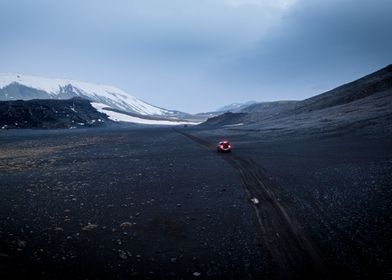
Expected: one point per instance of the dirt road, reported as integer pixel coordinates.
(291, 251)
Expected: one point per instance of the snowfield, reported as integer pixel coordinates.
(119, 117)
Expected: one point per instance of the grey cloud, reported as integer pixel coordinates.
(187, 54)
(319, 44)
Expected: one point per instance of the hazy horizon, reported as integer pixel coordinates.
(196, 56)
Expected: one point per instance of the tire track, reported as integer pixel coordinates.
(291, 252)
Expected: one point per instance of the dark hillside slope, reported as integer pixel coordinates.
(41, 113)
(361, 107)
(376, 82)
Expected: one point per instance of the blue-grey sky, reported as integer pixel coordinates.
(197, 55)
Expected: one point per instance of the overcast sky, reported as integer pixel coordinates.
(197, 55)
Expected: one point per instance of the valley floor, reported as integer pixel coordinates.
(159, 203)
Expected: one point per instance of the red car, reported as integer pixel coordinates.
(224, 147)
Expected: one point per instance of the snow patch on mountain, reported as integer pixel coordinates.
(119, 117)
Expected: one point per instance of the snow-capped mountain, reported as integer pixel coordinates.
(17, 86)
(235, 106)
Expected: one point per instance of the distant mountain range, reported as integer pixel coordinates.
(366, 102)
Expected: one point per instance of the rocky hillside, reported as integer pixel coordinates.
(40, 113)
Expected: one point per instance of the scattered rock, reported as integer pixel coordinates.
(122, 254)
(196, 274)
(89, 227)
(21, 243)
(126, 225)
(255, 200)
